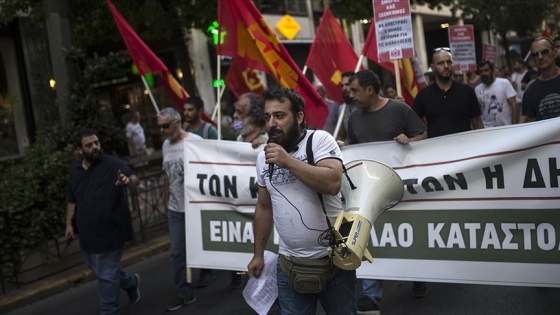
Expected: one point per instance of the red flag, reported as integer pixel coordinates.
(370, 49)
(147, 62)
(331, 54)
(241, 80)
(251, 43)
(409, 73)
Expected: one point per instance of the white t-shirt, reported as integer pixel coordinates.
(296, 207)
(136, 133)
(516, 78)
(493, 102)
(174, 167)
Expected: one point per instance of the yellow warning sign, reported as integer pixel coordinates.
(288, 27)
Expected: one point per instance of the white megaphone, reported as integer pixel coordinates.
(377, 187)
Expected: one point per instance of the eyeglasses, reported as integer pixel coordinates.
(442, 48)
(166, 125)
(543, 52)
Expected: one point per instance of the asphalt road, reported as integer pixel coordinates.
(157, 289)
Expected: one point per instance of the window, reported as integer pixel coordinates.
(281, 7)
(13, 137)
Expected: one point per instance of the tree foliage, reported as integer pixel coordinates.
(501, 16)
(93, 24)
(521, 16)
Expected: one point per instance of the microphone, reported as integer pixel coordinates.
(271, 165)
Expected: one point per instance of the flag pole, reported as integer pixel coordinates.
(360, 60)
(215, 111)
(150, 94)
(218, 95)
(397, 76)
(343, 107)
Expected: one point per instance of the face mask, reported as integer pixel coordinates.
(237, 125)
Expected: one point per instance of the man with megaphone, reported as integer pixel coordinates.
(301, 198)
(378, 119)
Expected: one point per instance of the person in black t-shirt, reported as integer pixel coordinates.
(448, 106)
(541, 100)
(96, 197)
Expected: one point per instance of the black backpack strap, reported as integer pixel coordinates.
(309, 148)
(311, 160)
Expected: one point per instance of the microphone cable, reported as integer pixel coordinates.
(326, 238)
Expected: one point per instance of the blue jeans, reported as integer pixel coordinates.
(110, 278)
(178, 249)
(373, 289)
(339, 298)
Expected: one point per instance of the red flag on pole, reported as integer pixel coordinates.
(409, 77)
(251, 43)
(331, 54)
(241, 80)
(147, 62)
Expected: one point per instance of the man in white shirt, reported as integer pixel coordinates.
(519, 71)
(496, 97)
(287, 198)
(135, 136)
(169, 124)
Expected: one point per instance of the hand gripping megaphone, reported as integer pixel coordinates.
(373, 188)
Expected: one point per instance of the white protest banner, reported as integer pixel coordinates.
(489, 53)
(461, 42)
(393, 28)
(479, 207)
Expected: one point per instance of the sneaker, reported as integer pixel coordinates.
(419, 289)
(178, 302)
(206, 278)
(236, 281)
(367, 306)
(134, 292)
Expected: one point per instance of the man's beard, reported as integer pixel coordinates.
(247, 128)
(347, 99)
(444, 78)
(486, 79)
(192, 119)
(93, 157)
(290, 139)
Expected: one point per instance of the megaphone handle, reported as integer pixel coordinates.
(367, 256)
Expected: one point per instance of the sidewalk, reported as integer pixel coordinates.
(28, 294)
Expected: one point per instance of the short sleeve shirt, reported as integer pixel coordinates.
(102, 212)
(298, 215)
(542, 99)
(384, 124)
(447, 112)
(493, 100)
(173, 166)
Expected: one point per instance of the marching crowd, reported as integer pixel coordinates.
(97, 205)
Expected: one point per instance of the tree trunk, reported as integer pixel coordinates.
(184, 61)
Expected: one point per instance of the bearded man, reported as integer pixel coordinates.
(287, 197)
(97, 202)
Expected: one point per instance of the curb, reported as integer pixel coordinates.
(132, 255)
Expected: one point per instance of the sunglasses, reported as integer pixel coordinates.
(442, 48)
(543, 52)
(165, 126)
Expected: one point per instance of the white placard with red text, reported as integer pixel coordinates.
(461, 42)
(393, 28)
